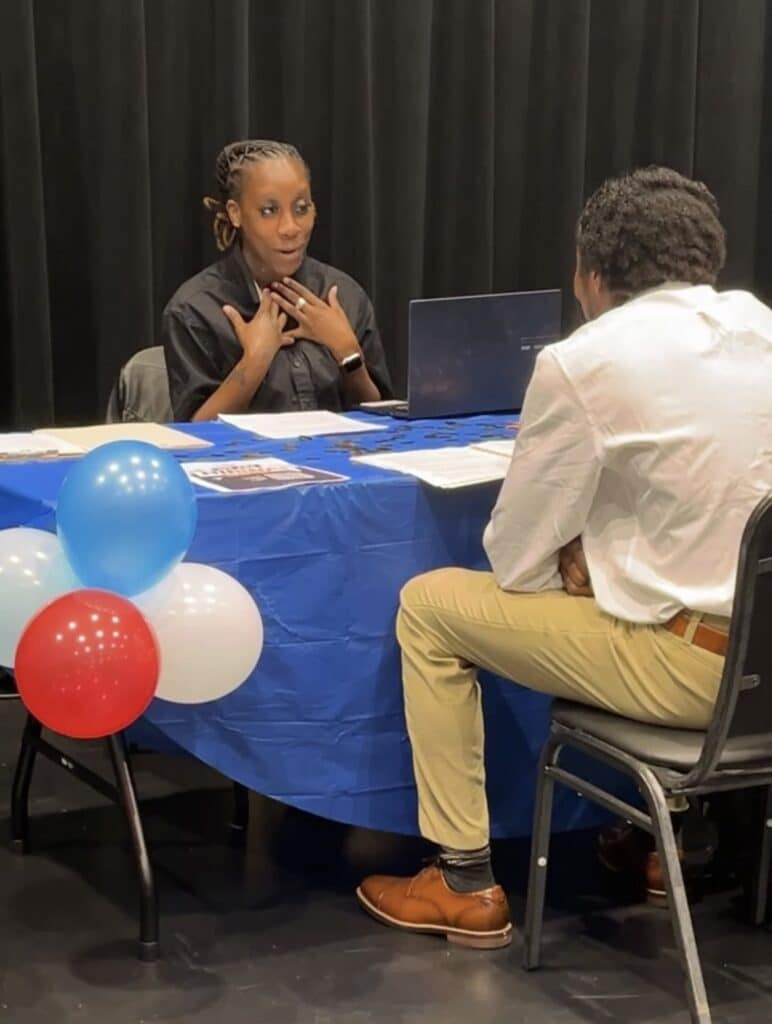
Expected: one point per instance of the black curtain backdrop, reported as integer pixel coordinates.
(451, 142)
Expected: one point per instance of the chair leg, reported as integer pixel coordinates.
(148, 900)
(667, 848)
(21, 783)
(240, 820)
(540, 843)
(760, 885)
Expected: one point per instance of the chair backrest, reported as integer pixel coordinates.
(744, 704)
(141, 392)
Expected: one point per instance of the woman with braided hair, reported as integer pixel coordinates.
(266, 327)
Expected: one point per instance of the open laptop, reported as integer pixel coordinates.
(473, 353)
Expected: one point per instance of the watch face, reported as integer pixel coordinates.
(351, 363)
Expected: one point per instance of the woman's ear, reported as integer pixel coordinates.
(234, 212)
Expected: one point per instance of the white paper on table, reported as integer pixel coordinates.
(35, 446)
(442, 467)
(505, 447)
(279, 425)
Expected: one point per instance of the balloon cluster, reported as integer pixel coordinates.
(97, 620)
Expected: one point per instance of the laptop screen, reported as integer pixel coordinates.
(475, 353)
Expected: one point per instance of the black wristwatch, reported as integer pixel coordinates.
(349, 364)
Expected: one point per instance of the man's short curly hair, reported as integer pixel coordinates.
(651, 226)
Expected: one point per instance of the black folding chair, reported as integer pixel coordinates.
(734, 752)
(141, 393)
(122, 792)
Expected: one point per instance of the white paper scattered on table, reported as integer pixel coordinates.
(505, 446)
(35, 446)
(279, 425)
(442, 467)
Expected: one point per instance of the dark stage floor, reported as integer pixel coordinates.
(271, 933)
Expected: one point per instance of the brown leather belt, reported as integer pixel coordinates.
(710, 638)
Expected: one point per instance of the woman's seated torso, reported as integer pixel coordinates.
(201, 347)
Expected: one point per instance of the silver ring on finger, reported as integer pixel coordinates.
(300, 303)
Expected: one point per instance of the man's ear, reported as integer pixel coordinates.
(596, 282)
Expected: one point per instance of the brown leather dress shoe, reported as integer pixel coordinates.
(425, 903)
(624, 849)
(656, 892)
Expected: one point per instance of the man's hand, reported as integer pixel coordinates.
(324, 322)
(573, 569)
(262, 335)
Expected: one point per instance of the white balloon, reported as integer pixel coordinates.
(33, 571)
(209, 632)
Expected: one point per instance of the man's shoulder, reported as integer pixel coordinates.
(669, 314)
(659, 340)
(743, 307)
(586, 345)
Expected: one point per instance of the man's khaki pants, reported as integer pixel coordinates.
(453, 621)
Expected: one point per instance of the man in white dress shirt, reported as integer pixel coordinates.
(645, 443)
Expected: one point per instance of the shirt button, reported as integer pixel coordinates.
(296, 361)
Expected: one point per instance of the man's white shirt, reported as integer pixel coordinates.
(649, 433)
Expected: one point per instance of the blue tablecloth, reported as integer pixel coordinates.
(319, 724)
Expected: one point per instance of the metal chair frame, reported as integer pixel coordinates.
(743, 710)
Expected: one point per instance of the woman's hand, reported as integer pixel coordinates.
(319, 320)
(573, 569)
(262, 335)
(260, 339)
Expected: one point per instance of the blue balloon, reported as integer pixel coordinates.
(126, 514)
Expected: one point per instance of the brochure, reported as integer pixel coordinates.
(244, 475)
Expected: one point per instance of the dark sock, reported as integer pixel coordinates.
(467, 870)
(697, 834)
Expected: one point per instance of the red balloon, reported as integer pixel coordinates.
(87, 664)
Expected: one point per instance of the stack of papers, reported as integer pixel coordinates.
(443, 467)
(39, 445)
(281, 425)
(247, 475)
(88, 438)
(58, 441)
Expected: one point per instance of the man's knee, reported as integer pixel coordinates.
(421, 603)
(425, 590)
